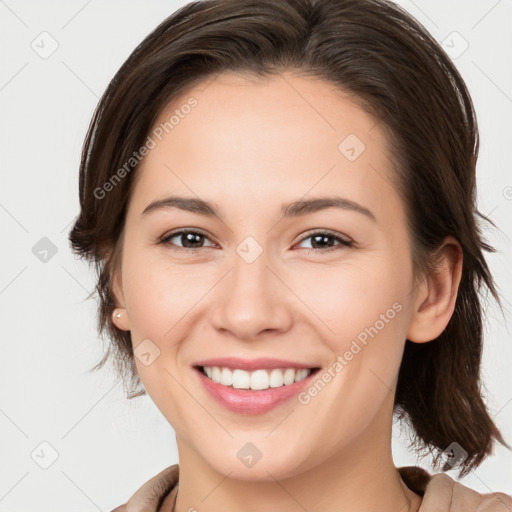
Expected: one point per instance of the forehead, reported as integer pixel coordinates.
(264, 139)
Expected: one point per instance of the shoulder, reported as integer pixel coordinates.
(148, 497)
(441, 492)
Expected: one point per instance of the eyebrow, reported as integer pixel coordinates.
(294, 209)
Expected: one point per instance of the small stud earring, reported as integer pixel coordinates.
(117, 315)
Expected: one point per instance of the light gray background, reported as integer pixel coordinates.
(108, 446)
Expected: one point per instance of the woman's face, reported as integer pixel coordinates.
(256, 282)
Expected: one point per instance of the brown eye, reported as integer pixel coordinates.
(325, 241)
(188, 239)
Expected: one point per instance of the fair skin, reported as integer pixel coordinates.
(249, 147)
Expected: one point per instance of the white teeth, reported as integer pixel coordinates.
(241, 379)
(276, 378)
(226, 377)
(216, 374)
(256, 380)
(289, 376)
(259, 379)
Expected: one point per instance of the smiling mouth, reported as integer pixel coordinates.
(256, 380)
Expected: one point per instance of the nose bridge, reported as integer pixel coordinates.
(254, 299)
(250, 273)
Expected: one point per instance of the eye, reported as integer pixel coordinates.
(322, 241)
(190, 239)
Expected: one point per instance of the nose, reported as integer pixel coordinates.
(253, 299)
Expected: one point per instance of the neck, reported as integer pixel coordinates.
(360, 477)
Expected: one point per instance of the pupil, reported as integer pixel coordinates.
(323, 239)
(189, 237)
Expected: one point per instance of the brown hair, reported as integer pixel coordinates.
(393, 69)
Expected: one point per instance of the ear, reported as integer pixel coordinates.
(436, 295)
(120, 314)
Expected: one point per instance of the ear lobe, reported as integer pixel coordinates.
(120, 319)
(120, 315)
(437, 294)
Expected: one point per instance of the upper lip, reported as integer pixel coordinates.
(252, 364)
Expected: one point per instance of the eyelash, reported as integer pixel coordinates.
(342, 242)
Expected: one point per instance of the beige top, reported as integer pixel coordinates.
(163, 488)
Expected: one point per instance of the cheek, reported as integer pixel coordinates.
(159, 295)
(369, 340)
(160, 300)
(362, 312)
(352, 295)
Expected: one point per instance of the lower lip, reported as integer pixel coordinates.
(246, 401)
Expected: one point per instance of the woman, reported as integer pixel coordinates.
(279, 198)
